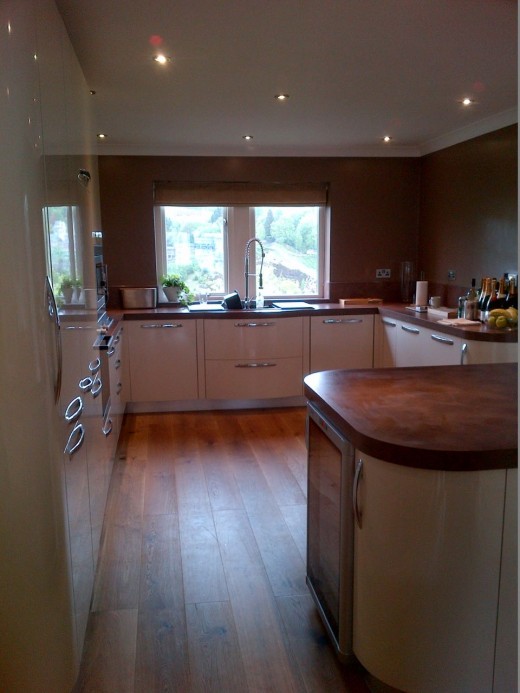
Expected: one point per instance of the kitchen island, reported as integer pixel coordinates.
(435, 538)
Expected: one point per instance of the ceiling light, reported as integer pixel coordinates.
(247, 137)
(281, 97)
(101, 136)
(467, 102)
(387, 138)
(162, 59)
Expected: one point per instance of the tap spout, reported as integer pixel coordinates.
(247, 273)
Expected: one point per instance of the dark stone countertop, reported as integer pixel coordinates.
(440, 417)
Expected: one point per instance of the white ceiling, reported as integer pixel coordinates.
(355, 71)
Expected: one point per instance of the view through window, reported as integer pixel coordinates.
(205, 245)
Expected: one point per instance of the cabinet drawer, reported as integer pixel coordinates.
(253, 337)
(342, 341)
(254, 379)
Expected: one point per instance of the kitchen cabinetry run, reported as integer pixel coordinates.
(118, 374)
(399, 343)
(254, 358)
(162, 358)
(341, 341)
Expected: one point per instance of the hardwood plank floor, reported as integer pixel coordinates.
(200, 585)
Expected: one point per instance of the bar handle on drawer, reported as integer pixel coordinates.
(77, 435)
(85, 384)
(96, 387)
(413, 330)
(444, 340)
(342, 321)
(159, 326)
(107, 427)
(385, 321)
(254, 324)
(94, 366)
(357, 478)
(255, 364)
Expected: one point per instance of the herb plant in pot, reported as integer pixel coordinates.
(67, 289)
(174, 287)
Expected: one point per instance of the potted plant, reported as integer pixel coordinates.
(67, 288)
(174, 287)
(77, 289)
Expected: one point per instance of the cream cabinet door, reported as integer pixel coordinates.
(420, 346)
(253, 338)
(426, 575)
(163, 360)
(342, 341)
(385, 341)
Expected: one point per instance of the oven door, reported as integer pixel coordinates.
(330, 527)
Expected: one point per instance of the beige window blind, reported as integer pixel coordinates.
(230, 194)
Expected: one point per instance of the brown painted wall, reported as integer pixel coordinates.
(373, 205)
(468, 210)
(454, 209)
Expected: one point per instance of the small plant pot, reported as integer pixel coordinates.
(172, 293)
(67, 294)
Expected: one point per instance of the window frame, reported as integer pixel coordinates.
(239, 227)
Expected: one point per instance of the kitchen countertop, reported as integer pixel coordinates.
(396, 311)
(454, 418)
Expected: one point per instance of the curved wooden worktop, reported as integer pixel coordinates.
(442, 417)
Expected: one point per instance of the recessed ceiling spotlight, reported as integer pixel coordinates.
(387, 138)
(247, 137)
(92, 92)
(101, 136)
(467, 101)
(281, 97)
(162, 59)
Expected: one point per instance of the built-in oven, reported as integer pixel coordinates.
(330, 527)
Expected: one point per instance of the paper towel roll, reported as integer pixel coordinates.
(421, 294)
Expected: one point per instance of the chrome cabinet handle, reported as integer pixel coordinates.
(107, 427)
(74, 409)
(254, 324)
(94, 366)
(111, 351)
(444, 340)
(75, 440)
(413, 330)
(160, 326)
(263, 364)
(385, 321)
(85, 384)
(342, 321)
(96, 387)
(463, 353)
(357, 477)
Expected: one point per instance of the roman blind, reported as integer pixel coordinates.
(224, 194)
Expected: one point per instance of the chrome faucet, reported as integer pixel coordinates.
(247, 273)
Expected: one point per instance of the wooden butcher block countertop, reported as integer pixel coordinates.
(455, 418)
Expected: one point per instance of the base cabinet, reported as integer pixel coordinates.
(162, 356)
(429, 577)
(254, 358)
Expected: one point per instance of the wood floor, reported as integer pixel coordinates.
(201, 578)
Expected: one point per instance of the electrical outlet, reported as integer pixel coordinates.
(383, 273)
(451, 274)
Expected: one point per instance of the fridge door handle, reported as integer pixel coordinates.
(75, 440)
(52, 309)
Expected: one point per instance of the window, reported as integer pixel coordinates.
(205, 245)
(63, 241)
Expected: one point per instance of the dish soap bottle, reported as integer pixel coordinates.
(260, 299)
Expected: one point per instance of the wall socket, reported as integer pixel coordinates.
(451, 274)
(383, 273)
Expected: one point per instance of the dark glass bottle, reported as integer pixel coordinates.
(470, 304)
(512, 296)
(483, 298)
(492, 301)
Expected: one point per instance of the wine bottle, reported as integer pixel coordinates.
(483, 298)
(512, 296)
(501, 293)
(492, 301)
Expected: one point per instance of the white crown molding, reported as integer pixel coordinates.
(481, 127)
